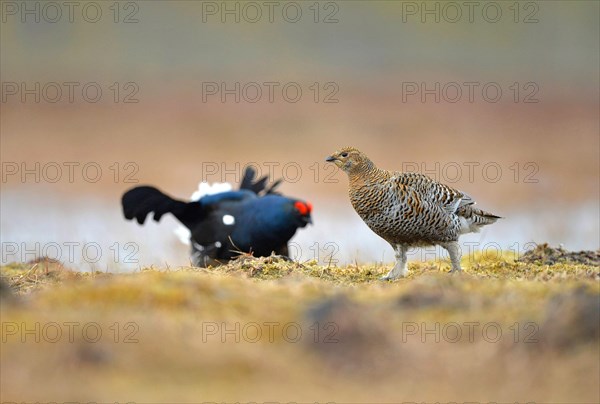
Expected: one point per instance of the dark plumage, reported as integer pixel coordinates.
(255, 219)
(409, 209)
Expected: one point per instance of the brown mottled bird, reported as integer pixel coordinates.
(409, 209)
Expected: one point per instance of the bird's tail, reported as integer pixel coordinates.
(138, 202)
(259, 186)
(473, 219)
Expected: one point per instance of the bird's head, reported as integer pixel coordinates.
(301, 212)
(350, 160)
(281, 212)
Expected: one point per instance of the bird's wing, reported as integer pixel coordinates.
(448, 198)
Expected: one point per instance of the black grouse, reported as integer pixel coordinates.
(255, 219)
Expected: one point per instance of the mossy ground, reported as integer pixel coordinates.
(263, 329)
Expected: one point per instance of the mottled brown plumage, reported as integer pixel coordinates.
(409, 209)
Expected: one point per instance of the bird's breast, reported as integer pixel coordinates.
(374, 206)
(400, 215)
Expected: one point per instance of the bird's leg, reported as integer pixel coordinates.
(454, 251)
(283, 252)
(399, 270)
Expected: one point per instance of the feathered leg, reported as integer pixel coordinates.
(454, 250)
(399, 270)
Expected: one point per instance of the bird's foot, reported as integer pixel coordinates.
(455, 271)
(399, 270)
(393, 275)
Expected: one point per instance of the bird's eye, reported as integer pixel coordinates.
(344, 154)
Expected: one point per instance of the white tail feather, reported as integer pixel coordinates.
(204, 188)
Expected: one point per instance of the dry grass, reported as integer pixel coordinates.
(177, 338)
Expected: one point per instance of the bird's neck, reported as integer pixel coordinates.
(366, 173)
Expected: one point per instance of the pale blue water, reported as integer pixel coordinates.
(87, 233)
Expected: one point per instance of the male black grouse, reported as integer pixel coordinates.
(255, 219)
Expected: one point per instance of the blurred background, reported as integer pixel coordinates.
(500, 100)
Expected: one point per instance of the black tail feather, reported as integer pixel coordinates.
(248, 178)
(138, 202)
(271, 189)
(260, 186)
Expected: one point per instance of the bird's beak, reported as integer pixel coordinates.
(330, 159)
(307, 219)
